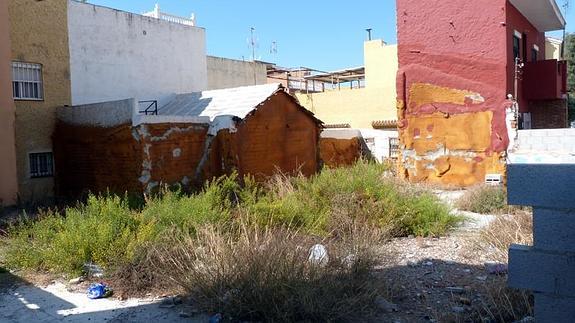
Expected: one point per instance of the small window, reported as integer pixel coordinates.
(393, 147)
(534, 55)
(516, 47)
(27, 81)
(41, 165)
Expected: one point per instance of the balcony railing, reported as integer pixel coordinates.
(156, 13)
(545, 80)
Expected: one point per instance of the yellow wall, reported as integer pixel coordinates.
(552, 49)
(39, 35)
(380, 64)
(8, 180)
(359, 107)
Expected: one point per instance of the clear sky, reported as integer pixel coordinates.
(321, 34)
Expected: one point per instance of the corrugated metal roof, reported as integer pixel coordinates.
(238, 102)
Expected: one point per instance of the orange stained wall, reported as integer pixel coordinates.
(8, 177)
(278, 135)
(451, 87)
(96, 159)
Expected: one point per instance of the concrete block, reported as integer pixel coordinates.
(554, 229)
(542, 271)
(552, 309)
(543, 185)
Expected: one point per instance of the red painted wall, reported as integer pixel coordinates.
(456, 47)
(516, 21)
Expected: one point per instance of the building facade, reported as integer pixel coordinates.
(116, 55)
(8, 178)
(227, 73)
(41, 82)
(67, 52)
(457, 66)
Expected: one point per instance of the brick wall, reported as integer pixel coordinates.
(173, 154)
(550, 146)
(96, 159)
(548, 114)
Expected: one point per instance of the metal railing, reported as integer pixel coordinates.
(151, 107)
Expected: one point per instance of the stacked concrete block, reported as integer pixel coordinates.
(548, 267)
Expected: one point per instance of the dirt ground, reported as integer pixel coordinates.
(428, 279)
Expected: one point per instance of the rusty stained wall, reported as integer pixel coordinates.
(171, 153)
(279, 135)
(96, 159)
(452, 90)
(336, 152)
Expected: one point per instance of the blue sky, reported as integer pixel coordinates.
(324, 35)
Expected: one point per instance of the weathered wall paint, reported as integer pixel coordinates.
(39, 34)
(227, 73)
(451, 87)
(278, 135)
(338, 152)
(8, 177)
(171, 153)
(116, 55)
(96, 159)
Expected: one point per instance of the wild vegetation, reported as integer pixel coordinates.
(241, 246)
(486, 199)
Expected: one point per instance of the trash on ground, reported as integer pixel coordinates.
(99, 290)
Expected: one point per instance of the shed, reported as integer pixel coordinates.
(193, 137)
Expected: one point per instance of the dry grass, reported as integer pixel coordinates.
(507, 229)
(264, 274)
(503, 304)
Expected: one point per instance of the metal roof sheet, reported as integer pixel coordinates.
(237, 102)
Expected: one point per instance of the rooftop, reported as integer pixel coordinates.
(543, 14)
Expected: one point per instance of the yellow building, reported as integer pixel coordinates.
(8, 180)
(374, 100)
(553, 48)
(41, 75)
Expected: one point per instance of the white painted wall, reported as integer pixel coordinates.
(116, 55)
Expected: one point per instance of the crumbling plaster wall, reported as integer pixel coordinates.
(451, 88)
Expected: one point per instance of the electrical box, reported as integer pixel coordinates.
(493, 179)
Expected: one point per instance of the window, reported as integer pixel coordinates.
(516, 47)
(41, 165)
(27, 81)
(534, 54)
(393, 147)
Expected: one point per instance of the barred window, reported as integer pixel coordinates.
(41, 165)
(393, 147)
(27, 81)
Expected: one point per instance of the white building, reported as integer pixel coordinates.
(117, 55)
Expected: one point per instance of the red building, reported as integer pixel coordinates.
(457, 66)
